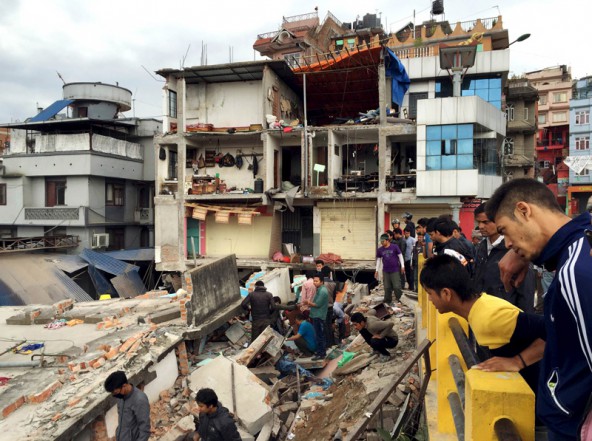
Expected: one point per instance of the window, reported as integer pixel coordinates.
(413, 99)
(116, 238)
(2, 194)
(55, 192)
(338, 45)
(560, 97)
(559, 117)
(584, 172)
(449, 147)
(510, 112)
(489, 89)
(172, 104)
(526, 114)
(83, 112)
(543, 118)
(351, 43)
(583, 143)
(115, 194)
(583, 117)
(292, 59)
(543, 100)
(546, 164)
(172, 164)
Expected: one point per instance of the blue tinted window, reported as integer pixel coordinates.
(468, 93)
(465, 147)
(482, 84)
(433, 133)
(497, 104)
(464, 162)
(433, 162)
(482, 93)
(449, 132)
(465, 131)
(438, 87)
(495, 83)
(433, 148)
(449, 162)
(468, 84)
(495, 95)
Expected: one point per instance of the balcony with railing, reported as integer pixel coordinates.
(21, 244)
(72, 216)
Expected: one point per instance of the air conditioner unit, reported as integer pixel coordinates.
(100, 240)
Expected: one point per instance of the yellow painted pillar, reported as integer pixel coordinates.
(432, 324)
(494, 395)
(446, 347)
(422, 295)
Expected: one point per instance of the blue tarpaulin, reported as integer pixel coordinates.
(400, 79)
(51, 111)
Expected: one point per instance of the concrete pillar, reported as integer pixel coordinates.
(456, 212)
(493, 395)
(383, 163)
(446, 347)
(316, 230)
(181, 157)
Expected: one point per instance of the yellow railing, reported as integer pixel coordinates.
(490, 397)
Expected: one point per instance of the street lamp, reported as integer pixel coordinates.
(519, 39)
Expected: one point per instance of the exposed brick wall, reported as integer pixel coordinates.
(182, 359)
(98, 430)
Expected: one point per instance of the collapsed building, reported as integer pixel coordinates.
(54, 360)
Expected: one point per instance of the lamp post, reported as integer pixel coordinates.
(519, 39)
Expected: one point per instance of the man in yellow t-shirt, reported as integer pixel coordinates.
(513, 337)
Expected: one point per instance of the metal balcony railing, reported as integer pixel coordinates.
(52, 213)
(20, 244)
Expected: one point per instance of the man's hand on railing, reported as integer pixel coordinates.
(500, 364)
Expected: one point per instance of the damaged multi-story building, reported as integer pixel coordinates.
(83, 178)
(239, 137)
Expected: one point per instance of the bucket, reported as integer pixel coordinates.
(258, 185)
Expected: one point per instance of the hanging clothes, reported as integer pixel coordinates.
(255, 166)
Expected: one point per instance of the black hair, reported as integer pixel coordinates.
(319, 262)
(423, 222)
(299, 316)
(277, 299)
(454, 226)
(407, 229)
(259, 283)
(504, 199)
(480, 209)
(114, 381)
(430, 225)
(320, 277)
(397, 231)
(444, 227)
(357, 317)
(385, 236)
(389, 232)
(206, 396)
(446, 271)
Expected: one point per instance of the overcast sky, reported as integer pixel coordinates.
(109, 41)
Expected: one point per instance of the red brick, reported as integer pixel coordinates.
(74, 401)
(42, 396)
(7, 410)
(129, 342)
(114, 352)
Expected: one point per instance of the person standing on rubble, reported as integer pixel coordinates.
(318, 315)
(379, 334)
(390, 259)
(215, 422)
(133, 409)
(262, 308)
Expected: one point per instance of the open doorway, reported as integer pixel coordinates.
(319, 166)
(291, 169)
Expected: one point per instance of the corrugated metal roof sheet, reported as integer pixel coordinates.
(50, 111)
(107, 263)
(73, 291)
(102, 285)
(68, 263)
(136, 255)
(129, 284)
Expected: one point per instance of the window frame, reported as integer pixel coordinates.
(59, 187)
(3, 194)
(582, 143)
(582, 117)
(555, 114)
(172, 104)
(114, 194)
(562, 97)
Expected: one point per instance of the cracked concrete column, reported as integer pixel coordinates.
(382, 159)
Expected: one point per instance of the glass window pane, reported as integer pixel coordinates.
(497, 104)
(465, 147)
(465, 131)
(438, 87)
(495, 83)
(468, 84)
(433, 148)
(464, 162)
(449, 162)
(433, 133)
(482, 84)
(483, 93)
(468, 93)
(449, 131)
(495, 95)
(433, 162)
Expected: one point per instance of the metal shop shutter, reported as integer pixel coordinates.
(349, 232)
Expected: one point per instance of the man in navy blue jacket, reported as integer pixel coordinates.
(536, 229)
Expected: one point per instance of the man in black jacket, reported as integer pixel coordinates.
(441, 231)
(262, 309)
(487, 275)
(215, 422)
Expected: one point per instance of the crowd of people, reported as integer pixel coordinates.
(523, 244)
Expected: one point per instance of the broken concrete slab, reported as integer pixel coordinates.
(251, 394)
(179, 432)
(359, 362)
(235, 332)
(269, 342)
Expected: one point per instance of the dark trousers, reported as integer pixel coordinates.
(257, 327)
(379, 344)
(329, 334)
(409, 275)
(319, 327)
(303, 346)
